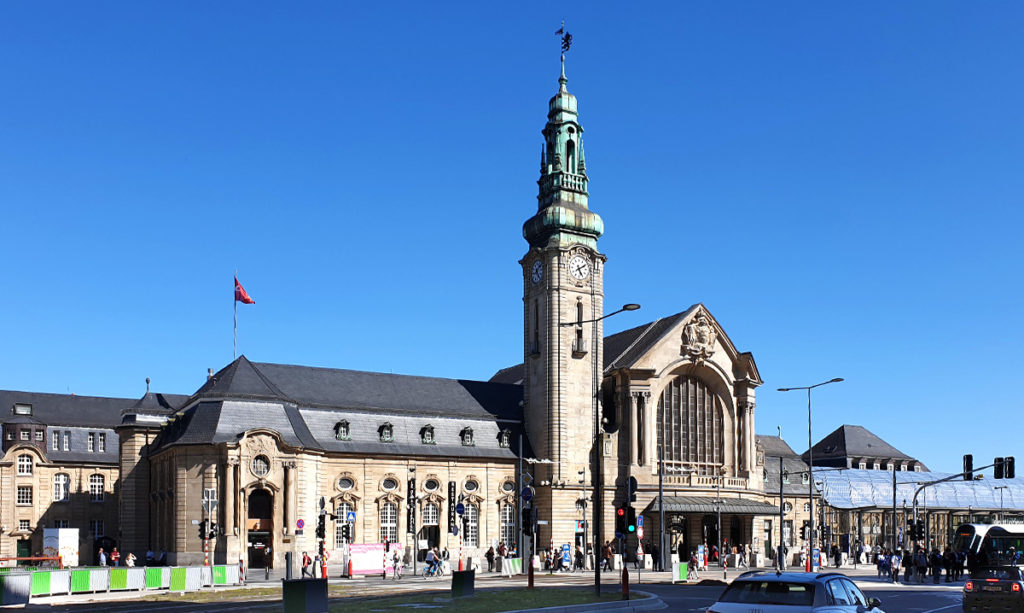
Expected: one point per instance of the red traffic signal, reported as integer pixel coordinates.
(620, 511)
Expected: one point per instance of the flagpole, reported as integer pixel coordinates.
(234, 301)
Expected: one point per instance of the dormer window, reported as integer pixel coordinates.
(386, 432)
(427, 435)
(805, 478)
(341, 431)
(785, 477)
(22, 408)
(505, 439)
(467, 437)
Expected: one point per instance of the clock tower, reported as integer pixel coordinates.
(563, 294)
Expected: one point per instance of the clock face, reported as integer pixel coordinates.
(538, 271)
(579, 267)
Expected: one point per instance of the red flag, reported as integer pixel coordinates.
(241, 295)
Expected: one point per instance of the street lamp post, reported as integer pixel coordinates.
(810, 461)
(597, 470)
(1000, 488)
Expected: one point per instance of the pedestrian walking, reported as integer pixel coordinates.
(307, 562)
(506, 563)
(396, 565)
(691, 568)
(606, 557)
(490, 559)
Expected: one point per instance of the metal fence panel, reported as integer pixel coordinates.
(79, 581)
(118, 578)
(41, 583)
(231, 574)
(207, 575)
(194, 578)
(136, 579)
(99, 579)
(16, 588)
(178, 579)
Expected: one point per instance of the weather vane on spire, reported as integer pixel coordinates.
(566, 38)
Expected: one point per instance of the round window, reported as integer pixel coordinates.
(390, 484)
(472, 486)
(345, 483)
(260, 466)
(431, 484)
(508, 486)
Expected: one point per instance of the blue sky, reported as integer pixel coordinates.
(841, 185)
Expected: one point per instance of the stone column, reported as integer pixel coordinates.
(634, 450)
(648, 434)
(229, 497)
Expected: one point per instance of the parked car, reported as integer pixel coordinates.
(994, 588)
(776, 592)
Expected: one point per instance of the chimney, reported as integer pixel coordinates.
(209, 374)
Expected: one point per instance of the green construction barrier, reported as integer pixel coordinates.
(178, 579)
(220, 575)
(154, 577)
(80, 581)
(118, 578)
(682, 571)
(41, 583)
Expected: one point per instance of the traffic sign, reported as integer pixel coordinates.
(460, 508)
(300, 524)
(527, 479)
(639, 521)
(527, 494)
(640, 532)
(455, 530)
(350, 516)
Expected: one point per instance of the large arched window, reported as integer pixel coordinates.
(570, 156)
(389, 522)
(344, 509)
(508, 524)
(430, 514)
(472, 525)
(61, 487)
(690, 425)
(25, 464)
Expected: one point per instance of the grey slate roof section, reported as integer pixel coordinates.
(365, 437)
(80, 444)
(66, 409)
(849, 441)
(705, 504)
(775, 446)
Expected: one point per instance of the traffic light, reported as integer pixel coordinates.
(529, 521)
(202, 531)
(620, 521)
(1008, 467)
(321, 526)
(346, 531)
(968, 467)
(631, 487)
(630, 519)
(999, 467)
(213, 530)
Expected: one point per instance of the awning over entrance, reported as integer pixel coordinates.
(703, 504)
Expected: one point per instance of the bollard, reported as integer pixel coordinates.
(625, 582)
(266, 570)
(241, 571)
(288, 565)
(350, 568)
(529, 574)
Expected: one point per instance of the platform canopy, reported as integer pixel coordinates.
(872, 489)
(706, 504)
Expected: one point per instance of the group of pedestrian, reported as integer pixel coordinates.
(114, 558)
(921, 565)
(313, 566)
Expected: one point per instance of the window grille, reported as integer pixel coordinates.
(96, 483)
(24, 464)
(61, 487)
(389, 522)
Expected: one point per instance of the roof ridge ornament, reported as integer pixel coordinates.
(566, 42)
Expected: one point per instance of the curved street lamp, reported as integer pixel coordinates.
(810, 461)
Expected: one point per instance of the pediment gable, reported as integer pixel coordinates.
(693, 336)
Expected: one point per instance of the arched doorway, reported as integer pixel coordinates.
(260, 528)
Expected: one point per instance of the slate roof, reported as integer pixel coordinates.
(303, 404)
(849, 441)
(74, 410)
(774, 448)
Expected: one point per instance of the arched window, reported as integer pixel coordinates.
(431, 513)
(690, 424)
(535, 349)
(472, 526)
(25, 464)
(807, 507)
(570, 156)
(96, 488)
(389, 522)
(61, 487)
(344, 509)
(787, 507)
(508, 524)
(579, 322)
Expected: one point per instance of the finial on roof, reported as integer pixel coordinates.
(562, 80)
(147, 385)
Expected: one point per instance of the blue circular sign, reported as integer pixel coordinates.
(527, 494)
(460, 508)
